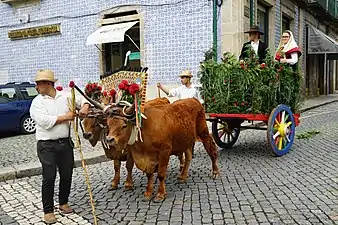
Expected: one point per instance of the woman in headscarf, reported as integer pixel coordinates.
(288, 50)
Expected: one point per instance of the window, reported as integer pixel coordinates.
(263, 22)
(7, 95)
(28, 92)
(115, 53)
(285, 23)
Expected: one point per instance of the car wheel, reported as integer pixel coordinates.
(27, 125)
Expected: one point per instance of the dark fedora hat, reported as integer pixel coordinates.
(254, 29)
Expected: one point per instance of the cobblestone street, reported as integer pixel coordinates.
(254, 187)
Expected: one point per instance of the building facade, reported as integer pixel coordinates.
(167, 37)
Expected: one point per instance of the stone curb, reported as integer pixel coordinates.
(34, 168)
(318, 105)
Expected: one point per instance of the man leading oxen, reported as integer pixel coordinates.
(167, 130)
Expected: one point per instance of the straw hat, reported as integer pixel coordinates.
(254, 29)
(45, 75)
(186, 73)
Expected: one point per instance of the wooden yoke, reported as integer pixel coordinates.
(140, 78)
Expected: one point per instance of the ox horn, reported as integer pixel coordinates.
(95, 103)
(130, 110)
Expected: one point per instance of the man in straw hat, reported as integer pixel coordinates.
(52, 115)
(186, 90)
(254, 44)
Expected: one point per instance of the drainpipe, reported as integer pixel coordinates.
(214, 29)
(252, 12)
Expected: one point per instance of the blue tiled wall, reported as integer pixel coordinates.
(304, 42)
(296, 24)
(176, 37)
(278, 23)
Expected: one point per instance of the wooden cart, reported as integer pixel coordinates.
(280, 124)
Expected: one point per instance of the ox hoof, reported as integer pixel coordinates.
(182, 179)
(215, 175)
(159, 199)
(128, 188)
(147, 198)
(112, 188)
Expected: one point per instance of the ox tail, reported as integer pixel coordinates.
(202, 133)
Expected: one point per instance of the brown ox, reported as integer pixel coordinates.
(93, 131)
(168, 130)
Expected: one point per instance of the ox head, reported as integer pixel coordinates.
(93, 128)
(119, 119)
(120, 128)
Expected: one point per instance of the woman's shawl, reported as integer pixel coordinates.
(288, 48)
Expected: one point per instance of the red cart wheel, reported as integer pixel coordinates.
(224, 136)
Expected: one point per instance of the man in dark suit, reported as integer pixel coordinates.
(254, 45)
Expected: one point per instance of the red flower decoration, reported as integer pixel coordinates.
(59, 88)
(112, 92)
(104, 93)
(71, 84)
(242, 65)
(134, 88)
(125, 82)
(124, 85)
(100, 88)
(263, 65)
(121, 86)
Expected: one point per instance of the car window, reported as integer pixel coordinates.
(28, 92)
(7, 95)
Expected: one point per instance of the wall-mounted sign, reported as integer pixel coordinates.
(246, 11)
(34, 32)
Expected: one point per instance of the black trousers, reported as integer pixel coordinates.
(55, 154)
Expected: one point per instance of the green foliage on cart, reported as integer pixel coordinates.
(232, 87)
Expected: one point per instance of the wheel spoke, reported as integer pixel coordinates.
(276, 121)
(280, 142)
(222, 133)
(288, 124)
(283, 116)
(285, 141)
(229, 138)
(286, 117)
(276, 140)
(276, 135)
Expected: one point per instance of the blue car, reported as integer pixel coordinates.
(15, 101)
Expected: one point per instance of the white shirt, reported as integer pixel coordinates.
(45, 111)
(294, 58)
(183, 92)
(254, 45)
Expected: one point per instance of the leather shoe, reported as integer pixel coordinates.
(50, 218)
(65, 209)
